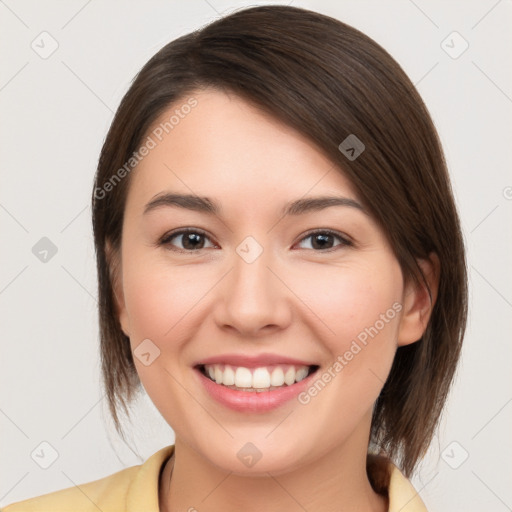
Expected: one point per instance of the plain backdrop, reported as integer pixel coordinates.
(55, 111)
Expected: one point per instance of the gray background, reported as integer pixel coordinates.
(55, 112)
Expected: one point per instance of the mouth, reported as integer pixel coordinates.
(256, 379)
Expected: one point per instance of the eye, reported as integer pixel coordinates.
(322, 239)
(192, 240)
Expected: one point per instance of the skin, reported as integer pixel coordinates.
(295, 299)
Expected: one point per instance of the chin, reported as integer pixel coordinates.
(255, 459)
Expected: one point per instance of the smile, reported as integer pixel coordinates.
(257, 389)
(265, 378)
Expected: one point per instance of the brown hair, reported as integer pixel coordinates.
(328, 81)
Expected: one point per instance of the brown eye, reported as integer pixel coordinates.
(324, 239)
(192, 240)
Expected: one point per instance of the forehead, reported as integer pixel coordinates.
(225, 147)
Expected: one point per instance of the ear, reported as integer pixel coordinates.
(417, 306)
(114, 265)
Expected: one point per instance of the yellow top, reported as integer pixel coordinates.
(135, 489)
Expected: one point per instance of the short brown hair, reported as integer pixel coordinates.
(328, 81)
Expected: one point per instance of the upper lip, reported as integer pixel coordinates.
(252, 361)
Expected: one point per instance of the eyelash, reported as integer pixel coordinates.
(165, 240)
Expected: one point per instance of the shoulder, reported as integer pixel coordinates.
(81, 498)
(112, 493)
(388, 480)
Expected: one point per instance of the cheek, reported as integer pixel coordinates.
(358, 309)
(157, 298)
(158, 302)
(351, 302)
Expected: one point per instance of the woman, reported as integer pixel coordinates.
(281, 268)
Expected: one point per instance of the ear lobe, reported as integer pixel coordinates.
(417, 303)
(114, 266)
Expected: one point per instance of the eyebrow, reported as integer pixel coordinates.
(210, 207)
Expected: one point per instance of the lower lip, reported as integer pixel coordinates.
(253, 401)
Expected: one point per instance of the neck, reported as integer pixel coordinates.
(189, 482)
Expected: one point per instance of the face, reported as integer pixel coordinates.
(269, 295)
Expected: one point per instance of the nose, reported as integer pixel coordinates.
(253, 299)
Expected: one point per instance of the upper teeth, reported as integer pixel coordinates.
(258, 378)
